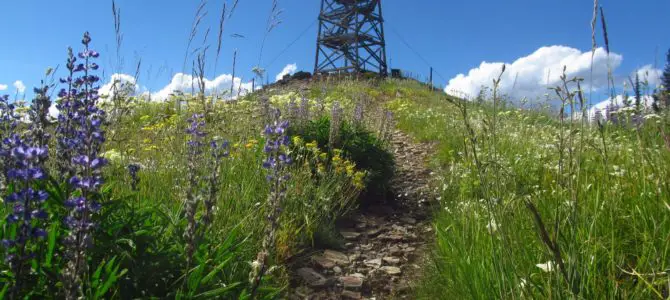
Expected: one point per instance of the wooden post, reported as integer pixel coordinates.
(431, 78)
(232, 84)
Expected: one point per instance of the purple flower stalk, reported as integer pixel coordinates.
(335, 123)
(277, 159)
(219, 150)
(8, 122)
(133, 169)
(195, 148)
(80, 139)
(26, 213)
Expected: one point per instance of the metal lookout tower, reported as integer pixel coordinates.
(351, 38)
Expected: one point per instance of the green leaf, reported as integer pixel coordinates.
(216, 270)
(217, 292)
(51, 244)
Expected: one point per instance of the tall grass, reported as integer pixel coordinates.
(538, 207)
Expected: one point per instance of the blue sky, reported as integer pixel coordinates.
(456, 37)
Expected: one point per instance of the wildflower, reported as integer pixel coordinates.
(219, 150)
(80, 138)
(195, 146)
(358, 113)
(27, 213)
(547, 267)
(133, 169)
(335, 123)
(277, 159)
(8, 122)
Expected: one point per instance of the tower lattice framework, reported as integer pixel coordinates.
(351, 38)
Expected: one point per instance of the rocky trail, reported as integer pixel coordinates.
(384, 243)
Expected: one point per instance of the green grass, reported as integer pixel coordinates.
(602, 195)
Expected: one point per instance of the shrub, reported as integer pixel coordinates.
(360, 146)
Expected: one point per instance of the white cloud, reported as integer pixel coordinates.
(219, 85)
(3, 87)
(289, 69)
(122, 81)
(651, 74)
(20, 86)
(530, 76)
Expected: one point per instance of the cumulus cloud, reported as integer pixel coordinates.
(288, 69)
(219, 85)
(117, 82)
(651, 75)
(3, 87)
(529, 76)
(20, 86)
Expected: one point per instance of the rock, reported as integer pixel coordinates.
(303, 292)
(367, 247)
(335, 256)
(361, 225)
(373, 232)
(350, 235)
(391, 270)
(408, 220)
(394, 236)
(351, 295)
(351, 282)
(373, 263)
(311, 277)
(409, 249)
(323, 262)
(337, 270)
(394, 250)
(391, 260)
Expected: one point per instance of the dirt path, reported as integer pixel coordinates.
(385, 243)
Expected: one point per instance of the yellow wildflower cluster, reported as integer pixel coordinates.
(340, 165)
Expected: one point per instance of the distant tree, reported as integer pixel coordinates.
(637, 90)
(665, 79)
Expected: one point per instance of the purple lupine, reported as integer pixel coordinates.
(276, 161)
(80, 139)
(304, 109)
(358, 113)
(8, 122)
(133, 169)
(39, 116)
(195, 148)
(219, 150)
(335, 124)
(26, 213)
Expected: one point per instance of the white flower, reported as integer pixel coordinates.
(492, 227)
(546, 267)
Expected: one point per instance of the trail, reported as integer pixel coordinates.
(385, 243)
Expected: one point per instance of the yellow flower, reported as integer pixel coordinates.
(323, 156)
(145, 118)
(350, 169)
(297, 141)
(337, 152)
(312, 145)
(147, 141)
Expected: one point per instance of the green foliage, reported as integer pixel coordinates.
(360, 146)
(601, 192)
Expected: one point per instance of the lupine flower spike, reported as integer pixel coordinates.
(80, 137)
(277, 159)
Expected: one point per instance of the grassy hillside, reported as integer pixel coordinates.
(197, 198)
